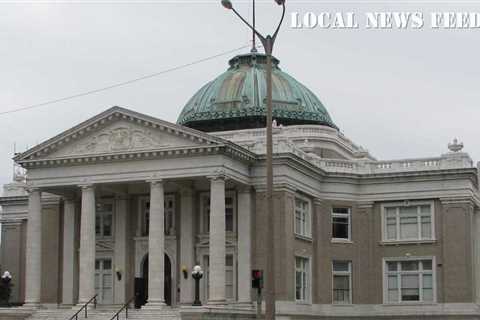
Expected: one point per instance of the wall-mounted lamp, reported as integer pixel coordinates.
(118, 272)
(185, 272)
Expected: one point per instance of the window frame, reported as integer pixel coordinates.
(204, 285)
(348, 273)
(402, 259)
(308, 291)
(142, 210)
(106, 256)
(308, 218)
(206, 194)
(407, 203)
(101, 215)
(349, 216)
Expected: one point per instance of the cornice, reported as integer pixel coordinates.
(236, 153)
(15, 200)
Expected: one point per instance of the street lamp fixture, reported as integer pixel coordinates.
(197, 274)
(227, 4)
(5, 289)
(268, 43)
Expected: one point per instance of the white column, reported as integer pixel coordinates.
(156, 246)
(87, 245)
(217, 241)
(186, 246)
(33, 263)
(121, 250)
(244, 245)
(69, 252)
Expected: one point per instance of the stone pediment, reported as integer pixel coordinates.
(118, 131)
(122, 136)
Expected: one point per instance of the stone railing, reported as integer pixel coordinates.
(292, 132)
(286, 140)
(446, 161)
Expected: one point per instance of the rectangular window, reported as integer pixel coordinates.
(342, 282)
(104, 220)
(408, 222)
(409, 280)
(302, 217)
(169, 215)
(230, 279)
(229, 212)
(302, 279)
(341, 228)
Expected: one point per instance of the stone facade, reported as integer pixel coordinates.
(127, 204)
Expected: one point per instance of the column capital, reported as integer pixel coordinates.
(86, 186)
(366, 204)
(318, 201)
(31, 189)
(457, 201)
(218, 174)
(156, 181)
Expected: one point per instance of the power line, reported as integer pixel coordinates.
(120, 84)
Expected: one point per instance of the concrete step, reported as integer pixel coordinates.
(66, 314)
(148, 314)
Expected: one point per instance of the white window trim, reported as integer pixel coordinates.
(342, 240)
(101, 236)
(309, 279)
(204, 194)
(308, 234)
(350, 274)
(416, 258)
(406, 204)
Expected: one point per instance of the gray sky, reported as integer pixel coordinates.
(400, 94)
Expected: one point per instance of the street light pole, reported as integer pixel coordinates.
(268, 43)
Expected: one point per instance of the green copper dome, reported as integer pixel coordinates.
(237, 99)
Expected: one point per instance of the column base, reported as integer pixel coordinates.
(155, 305)
(32, 305)
(217, 302)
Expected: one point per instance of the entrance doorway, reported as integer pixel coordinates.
(104, 281)
(142, 283)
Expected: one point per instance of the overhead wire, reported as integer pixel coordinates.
(120, 84)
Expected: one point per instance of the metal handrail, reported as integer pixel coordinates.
(125, 306)
(94, 298)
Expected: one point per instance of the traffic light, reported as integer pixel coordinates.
(257, 279)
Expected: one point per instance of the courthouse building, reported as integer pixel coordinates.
(126, 204)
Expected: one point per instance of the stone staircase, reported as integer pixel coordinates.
(105, 313)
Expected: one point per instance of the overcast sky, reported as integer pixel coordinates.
(398, 93)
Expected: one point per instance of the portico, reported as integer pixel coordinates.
(131, 208)
(139, 228)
